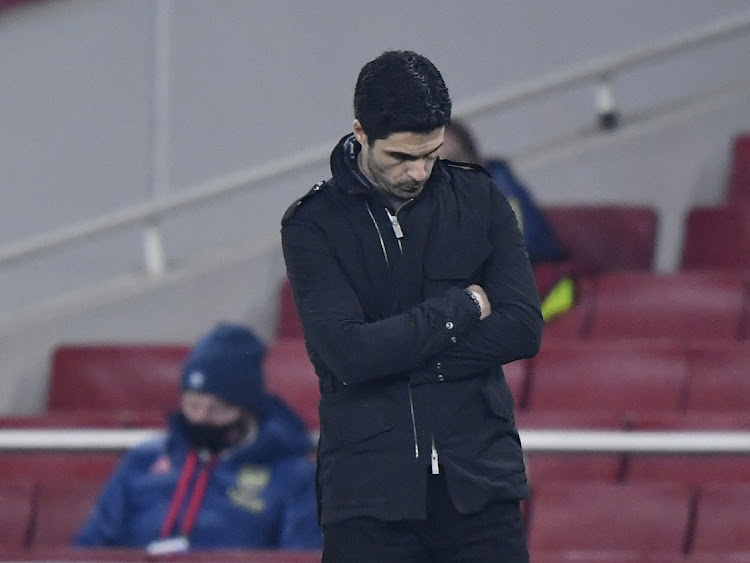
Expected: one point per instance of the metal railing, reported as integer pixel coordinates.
(534, 441)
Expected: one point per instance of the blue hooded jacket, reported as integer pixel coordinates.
(261, 494)
(541, 242)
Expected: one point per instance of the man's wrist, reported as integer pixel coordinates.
(476, 299)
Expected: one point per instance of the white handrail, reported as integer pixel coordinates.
(596, 69)
(534, 441)
(149, 210)
(603, 67)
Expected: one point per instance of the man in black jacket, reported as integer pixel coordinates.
(413, 285)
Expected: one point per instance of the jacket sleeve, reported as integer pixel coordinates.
(105, 523)
(356, 350)
(514, 329)
(299, 528)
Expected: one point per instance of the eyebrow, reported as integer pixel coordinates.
(407, 156)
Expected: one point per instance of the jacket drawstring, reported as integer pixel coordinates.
(194, 503)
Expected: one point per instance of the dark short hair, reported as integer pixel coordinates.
(400, 91)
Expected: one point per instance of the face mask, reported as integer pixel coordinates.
(214, 437)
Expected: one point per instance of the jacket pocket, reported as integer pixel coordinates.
(354, 419)
(499, 398)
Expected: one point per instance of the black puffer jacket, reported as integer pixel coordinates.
(402, 358)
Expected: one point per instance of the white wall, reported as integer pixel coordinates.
(251, 81)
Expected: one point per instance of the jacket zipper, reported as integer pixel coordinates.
(399, 235)
(434, 465)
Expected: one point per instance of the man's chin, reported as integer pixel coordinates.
(409, 191)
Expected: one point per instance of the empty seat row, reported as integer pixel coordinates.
(686, 304)
(633, 376)
(37, 519)
(639, 517)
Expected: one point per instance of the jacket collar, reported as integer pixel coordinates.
(348, 176)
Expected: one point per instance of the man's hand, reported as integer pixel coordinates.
(484, 302)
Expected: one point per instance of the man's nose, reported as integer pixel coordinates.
(201, 415)
(418, 170)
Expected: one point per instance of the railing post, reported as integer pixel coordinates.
(605, 106)
(153, 251)
(153, 245)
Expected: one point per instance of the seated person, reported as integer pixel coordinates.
(545, 251)
(233, 470)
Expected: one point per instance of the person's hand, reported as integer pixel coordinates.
(484, 302)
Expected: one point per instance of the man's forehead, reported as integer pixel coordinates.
(203, 397)
(411, 143)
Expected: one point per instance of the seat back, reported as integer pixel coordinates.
(621, 376)
(516, 374)
(56, 467)
(717, 237)
(16, 509)
(290, 375)
(683, 305)
(719, 376)
(62, 510)
(585, 516)
(84, 418)
(739, 176)
(289, 325)
(722, 524)
(116, 376)
(603, 238)
(575, 322)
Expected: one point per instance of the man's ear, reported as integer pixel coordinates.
(359, 133)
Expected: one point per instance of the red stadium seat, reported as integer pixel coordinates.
(116, 376)
(719, 376)
(516, 374)
(685, 468)
(56, 467)
(289, 325)
(544, 467)
(622, 376)
(648, 518)
(291, 376)
(575, 322)
(87, 419)
(61, 511)
(16, 504)
(722, 524)
(606, 238)
(698, 304)
(717, 237)
(739, 177)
